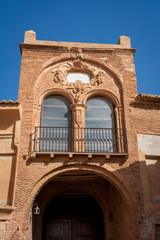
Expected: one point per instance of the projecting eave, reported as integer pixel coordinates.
(7, 107)
(146, 101)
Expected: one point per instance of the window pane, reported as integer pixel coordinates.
(99, 101)
(100, 131)
(101, 123)
(56, 123)
(99, 113)
(56, 112)
(56, 100)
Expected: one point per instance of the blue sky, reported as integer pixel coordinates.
(95, 21)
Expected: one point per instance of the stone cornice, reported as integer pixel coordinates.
(72, 47)
(146, 101)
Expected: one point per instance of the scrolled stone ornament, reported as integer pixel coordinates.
(98, 79)
(59, 77)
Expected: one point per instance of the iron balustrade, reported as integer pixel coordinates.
(78, 140)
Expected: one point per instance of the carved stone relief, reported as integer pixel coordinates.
(59, 77)
(78, 87)
(78, 64)
(98, 79)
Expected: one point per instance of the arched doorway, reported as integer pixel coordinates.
(81, 197)
(73, 215)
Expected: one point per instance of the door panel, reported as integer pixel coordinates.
(73, 219)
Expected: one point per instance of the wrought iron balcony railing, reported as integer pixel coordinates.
(78, 140)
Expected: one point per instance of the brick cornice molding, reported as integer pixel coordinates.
(70, 47)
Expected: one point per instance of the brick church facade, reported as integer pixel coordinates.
(80, 149)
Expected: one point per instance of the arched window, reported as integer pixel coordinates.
(56, 124)
(56, 112)
(57, 135)
(100, 132)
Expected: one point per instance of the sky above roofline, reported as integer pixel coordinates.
(81, 21)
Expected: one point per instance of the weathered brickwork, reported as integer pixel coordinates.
(118, 181)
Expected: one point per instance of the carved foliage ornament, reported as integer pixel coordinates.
(78, 87)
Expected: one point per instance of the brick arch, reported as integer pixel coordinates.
(108, 173)
(45, 94)
(102, 92)
(89, 189)
(106, 66)
(56, 91)
(112, 98)
(99, 63)
(85, 58)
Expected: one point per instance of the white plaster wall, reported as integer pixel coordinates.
(149, 144)
(149, 148)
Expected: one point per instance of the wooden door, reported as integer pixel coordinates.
(73, 219)
(157, 231)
